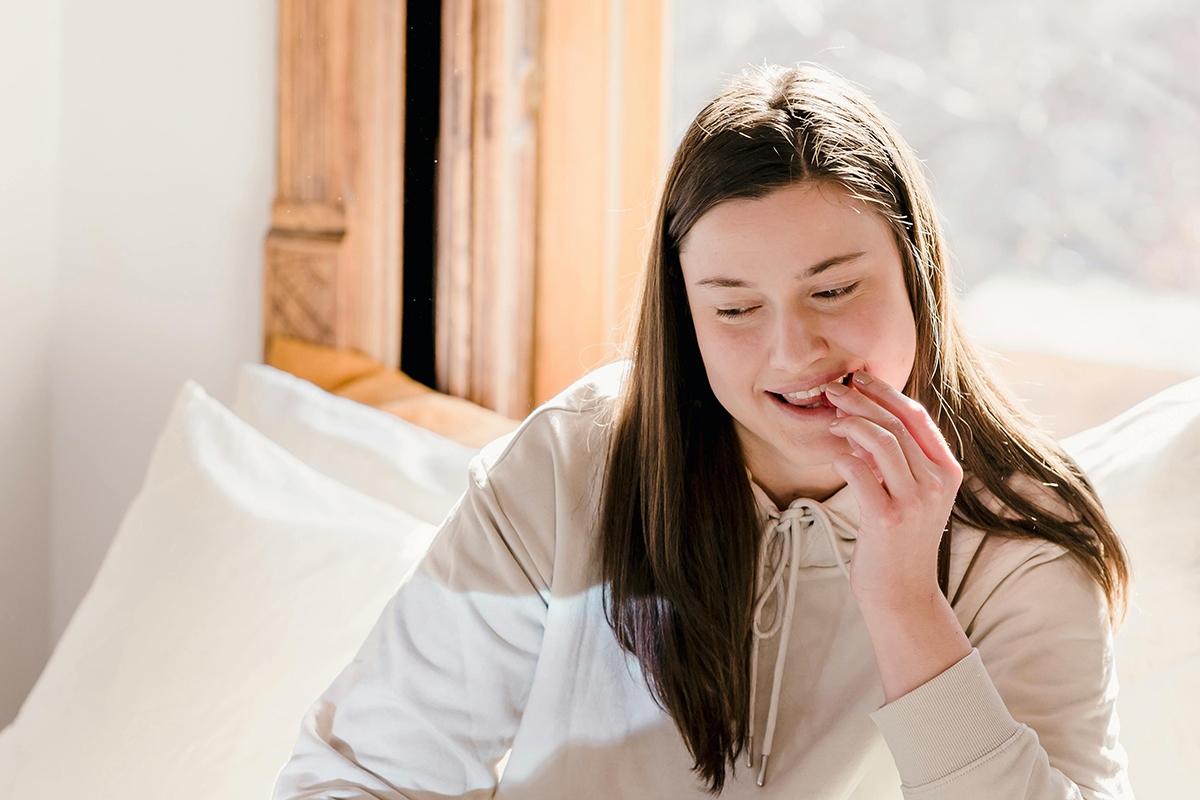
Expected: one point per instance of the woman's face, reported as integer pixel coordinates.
(773, 317)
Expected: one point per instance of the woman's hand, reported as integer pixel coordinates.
(905, 479)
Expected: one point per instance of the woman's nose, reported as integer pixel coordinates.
(796, 342)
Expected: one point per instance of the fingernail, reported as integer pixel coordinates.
(833, 422)
(862, 378)
(835, 388)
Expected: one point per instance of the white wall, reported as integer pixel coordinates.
(167, 171)
(136, 171)
(28, 103)
(137, 166)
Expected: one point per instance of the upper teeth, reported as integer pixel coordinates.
(807, 393)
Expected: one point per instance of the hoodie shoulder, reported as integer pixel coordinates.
(562, 417)
(596, 388)
(544, 476)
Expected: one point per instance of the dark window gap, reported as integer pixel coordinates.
(422, 105)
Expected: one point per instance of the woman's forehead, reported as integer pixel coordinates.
(806, 223)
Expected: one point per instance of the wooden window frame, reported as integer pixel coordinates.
(552, 143)
(554, 139)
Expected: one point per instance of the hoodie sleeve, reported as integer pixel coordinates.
(431, 702)
(1030, 714)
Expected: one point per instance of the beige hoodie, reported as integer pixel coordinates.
(497, 641)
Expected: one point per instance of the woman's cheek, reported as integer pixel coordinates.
(740, 344)
(716, 335)
(862, 329)
(729, 351)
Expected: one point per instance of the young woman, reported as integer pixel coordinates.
(800, 544)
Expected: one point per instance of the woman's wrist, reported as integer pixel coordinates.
(914, 641)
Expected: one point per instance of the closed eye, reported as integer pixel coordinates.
(829, 294)
(834, 294)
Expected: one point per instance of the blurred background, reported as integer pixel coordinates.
(1060, 141)
(164, 194)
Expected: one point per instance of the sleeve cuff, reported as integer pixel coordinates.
(946, 723)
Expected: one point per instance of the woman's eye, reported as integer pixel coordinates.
(833, 294)
(829, 294)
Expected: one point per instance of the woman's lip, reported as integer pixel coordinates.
(806, 385)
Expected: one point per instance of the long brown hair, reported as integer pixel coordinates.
(679, 531)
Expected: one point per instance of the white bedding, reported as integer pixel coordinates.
(1145, 464)
(377, 453)
(240, 582)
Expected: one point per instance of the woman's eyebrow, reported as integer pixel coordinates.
(815, 269)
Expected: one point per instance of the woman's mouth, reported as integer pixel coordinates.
(806, 403)
(791, 403)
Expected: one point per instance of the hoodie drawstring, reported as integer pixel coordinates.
(781, 544)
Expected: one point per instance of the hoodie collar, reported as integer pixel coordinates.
(841, 507)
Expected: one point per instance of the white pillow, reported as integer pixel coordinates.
(1145, 465)
(238, 586)
(8, 759)
(377, 453)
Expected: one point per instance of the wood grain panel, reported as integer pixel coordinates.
(572, 192)
(337, 215)
(601, 158)
(487, 201)
(644, 154)
(454, 197)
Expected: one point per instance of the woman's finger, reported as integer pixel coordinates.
(912, 414)
(866, 456)
(883, 446)
(869, 492)
(855, 401)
